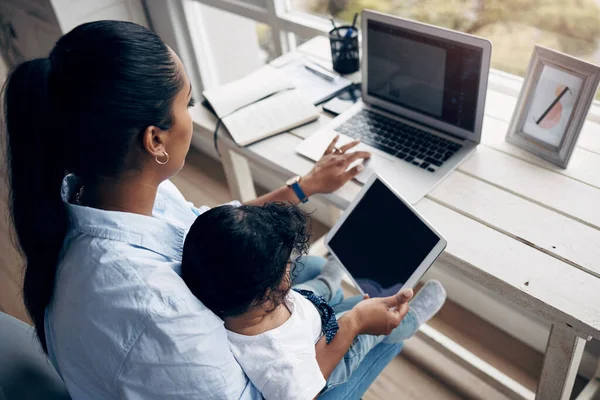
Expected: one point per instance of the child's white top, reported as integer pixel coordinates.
(282, 362)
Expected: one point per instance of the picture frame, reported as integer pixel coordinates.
(553, 104)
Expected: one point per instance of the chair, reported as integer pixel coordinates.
(25, 371)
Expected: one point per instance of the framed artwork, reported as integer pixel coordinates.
(553, 104)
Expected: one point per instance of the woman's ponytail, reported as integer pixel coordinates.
(79, 111)
(36, 168)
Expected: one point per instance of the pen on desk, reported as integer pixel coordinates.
(354, 21)
(325, 75)
(565, 90)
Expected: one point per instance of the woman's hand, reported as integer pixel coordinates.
(379, 316)
(329, 173)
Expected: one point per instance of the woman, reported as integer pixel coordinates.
(103, 244)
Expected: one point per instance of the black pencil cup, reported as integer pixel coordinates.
(344, 49)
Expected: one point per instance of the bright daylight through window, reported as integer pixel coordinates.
(513, 26)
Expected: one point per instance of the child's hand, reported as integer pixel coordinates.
(380, 316)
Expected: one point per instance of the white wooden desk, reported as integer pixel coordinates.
(515, 224)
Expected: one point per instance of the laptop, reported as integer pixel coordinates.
(423, 97)
(383, 243)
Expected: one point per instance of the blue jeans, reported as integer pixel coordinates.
(368, 355)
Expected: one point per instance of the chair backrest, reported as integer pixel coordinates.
(25, 371)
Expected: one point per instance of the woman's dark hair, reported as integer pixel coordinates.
(237, 257)
(82, 110)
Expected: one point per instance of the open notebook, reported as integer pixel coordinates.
(260, 105)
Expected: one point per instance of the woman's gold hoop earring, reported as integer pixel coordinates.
(162, 162)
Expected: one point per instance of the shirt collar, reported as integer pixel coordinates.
(152, 233)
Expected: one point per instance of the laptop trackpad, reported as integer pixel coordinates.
(372, 165)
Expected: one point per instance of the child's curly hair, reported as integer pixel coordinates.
(235, 258)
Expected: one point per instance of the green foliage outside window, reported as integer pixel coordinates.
(513, 26)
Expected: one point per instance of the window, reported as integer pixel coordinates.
(513, 26)
(266, 42)
(229, 45)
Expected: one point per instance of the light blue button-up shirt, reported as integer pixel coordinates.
(122, 324)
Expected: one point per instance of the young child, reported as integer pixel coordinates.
(238, 262)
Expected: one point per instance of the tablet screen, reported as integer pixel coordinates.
(382, 242)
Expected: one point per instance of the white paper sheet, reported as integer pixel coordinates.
(232, 96)
(275, 114)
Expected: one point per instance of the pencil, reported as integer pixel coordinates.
(335, 28)
(552, 105)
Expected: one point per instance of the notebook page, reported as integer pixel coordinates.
(278, 113)
(237, 94)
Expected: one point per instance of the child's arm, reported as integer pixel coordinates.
(372, 317)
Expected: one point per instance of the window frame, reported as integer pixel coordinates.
(286, 22)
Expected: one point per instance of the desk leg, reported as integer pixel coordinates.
(335, 214)
(318, 248)
(563, 355)
(239, 176)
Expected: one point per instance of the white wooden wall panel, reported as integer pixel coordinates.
(71, 13)
(231, 41)
(41, 9)
(34, 25)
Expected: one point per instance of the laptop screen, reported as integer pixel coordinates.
(382, 242)
(423, 73)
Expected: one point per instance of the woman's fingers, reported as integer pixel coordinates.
(331, 146)
(350, 158)
(352, 172)
(348, 146)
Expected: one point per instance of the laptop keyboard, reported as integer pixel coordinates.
(406, 142)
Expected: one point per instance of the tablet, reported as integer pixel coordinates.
(384, 244)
